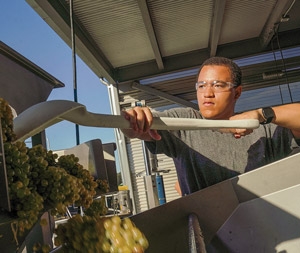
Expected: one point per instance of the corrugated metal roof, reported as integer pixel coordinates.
(134, 39)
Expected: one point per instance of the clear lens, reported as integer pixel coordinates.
(216, 86)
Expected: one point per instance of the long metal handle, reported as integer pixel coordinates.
(162, 123)
(42, 115)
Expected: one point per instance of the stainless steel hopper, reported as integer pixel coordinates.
(258, 211)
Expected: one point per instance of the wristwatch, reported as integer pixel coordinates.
(268, 114)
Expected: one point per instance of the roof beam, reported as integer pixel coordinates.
(274, 20)
(195, 58)
(163, 95)
(151, 34)
(218, 14)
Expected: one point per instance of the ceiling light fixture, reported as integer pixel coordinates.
(272, 74)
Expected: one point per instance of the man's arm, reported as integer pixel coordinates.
(287, 116)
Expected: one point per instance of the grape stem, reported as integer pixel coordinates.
(14, 228)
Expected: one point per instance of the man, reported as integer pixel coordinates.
(204, 157)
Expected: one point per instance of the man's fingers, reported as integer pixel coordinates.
(143, 118)
(237, 133)
(140, 118)
(242, 132)
(154, 135)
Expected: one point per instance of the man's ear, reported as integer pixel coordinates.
(238, 92)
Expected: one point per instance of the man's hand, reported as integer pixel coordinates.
(238, 133)
(140, 119)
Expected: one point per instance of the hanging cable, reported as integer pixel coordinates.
(277, 74)
(284, 67)
(74, 66)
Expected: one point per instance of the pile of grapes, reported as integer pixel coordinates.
(95, 234)
(38, 181)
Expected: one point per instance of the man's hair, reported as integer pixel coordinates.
(235, 71)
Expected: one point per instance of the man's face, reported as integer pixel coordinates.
(217, 105)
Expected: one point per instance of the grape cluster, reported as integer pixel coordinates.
(6, 117)
(26, 203)
(58, 188)
(97, 234)
(39, 167)
(88, 183)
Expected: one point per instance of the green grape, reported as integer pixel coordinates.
(137, 248)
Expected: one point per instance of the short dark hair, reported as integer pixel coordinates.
(235, 71)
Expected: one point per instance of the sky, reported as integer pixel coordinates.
(26, 32)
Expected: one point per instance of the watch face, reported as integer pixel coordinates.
(268, 114)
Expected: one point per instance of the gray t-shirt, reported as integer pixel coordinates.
(205, 157)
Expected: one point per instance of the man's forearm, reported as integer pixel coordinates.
(287, 116)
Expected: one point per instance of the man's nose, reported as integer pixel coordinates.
(209, 91)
